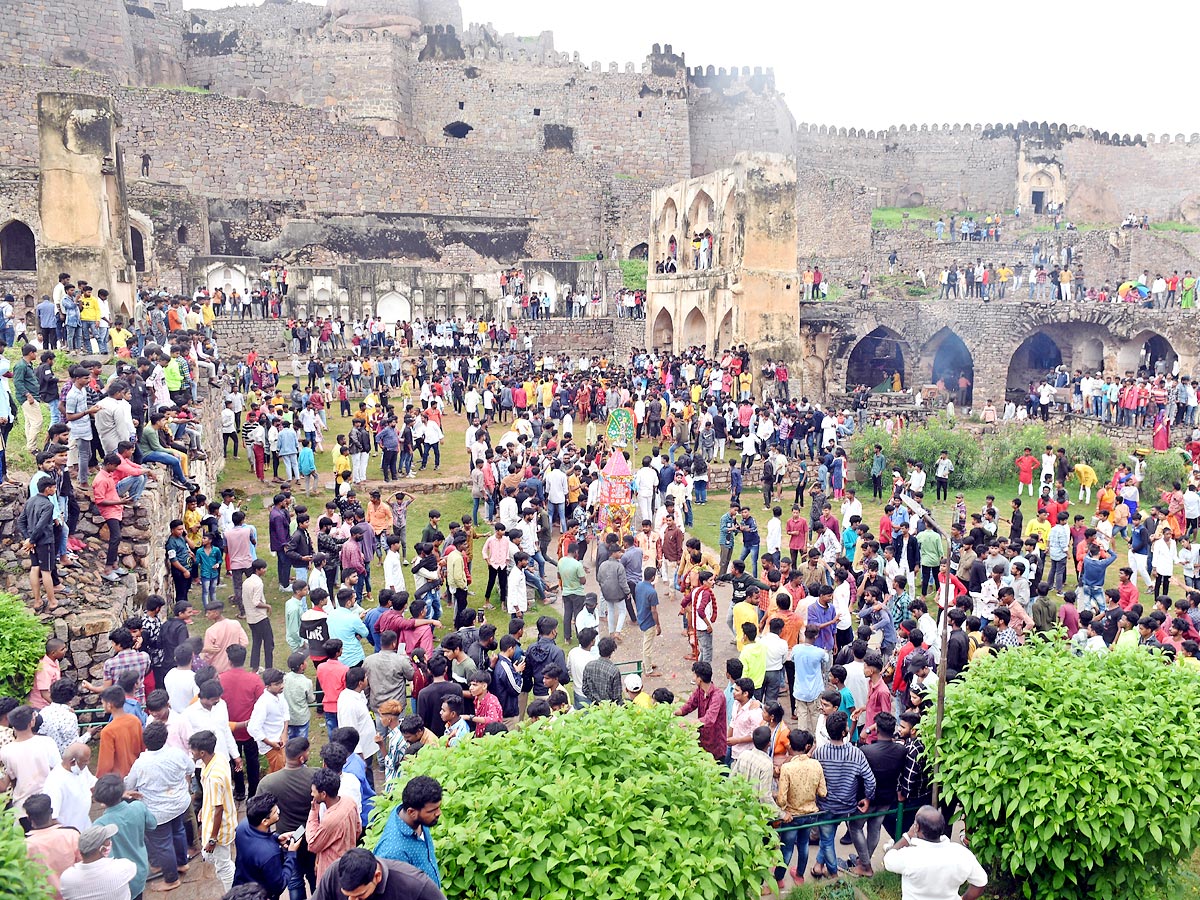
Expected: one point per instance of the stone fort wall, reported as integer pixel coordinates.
(226, 148)
(976, 166)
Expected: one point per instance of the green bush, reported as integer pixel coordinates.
(923, 443)
(999, 451)
(1096, 450)
(614, 802)
(20, 877)
(1162, 470)
(1058, 762)
(22, 644)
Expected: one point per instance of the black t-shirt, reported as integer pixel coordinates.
(316, 632)
(886, 759)
(1112, 618)
(429, 703)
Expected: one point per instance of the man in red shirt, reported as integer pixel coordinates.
(709, 705)
(879, 696)
(242, 688)
(112, 508)
(331, 675)
(1025, 465)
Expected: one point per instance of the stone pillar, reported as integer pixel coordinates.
(81, 197)
(769, 305)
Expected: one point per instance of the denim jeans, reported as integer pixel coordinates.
(752, 552)
(795, 840)
(772, 684)
(132, 486)
(331, 722)
(169, 461)
(295, 731)
(827, 852)
(208, 590)
(559, 511)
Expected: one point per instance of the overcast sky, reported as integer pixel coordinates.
(880, 63)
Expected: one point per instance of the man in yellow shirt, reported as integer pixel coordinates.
(119, 336)
(1040, 528)
(1087, 480)
(89, 316)
(1065, 279)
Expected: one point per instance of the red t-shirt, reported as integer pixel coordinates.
(1025, 465)
(242, 689)
(331, 675)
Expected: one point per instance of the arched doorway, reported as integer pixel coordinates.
(948, 361)
(1147, 354)
(1036, 358)
(875, 359)
(394, 308)
(640, 251)
(725, 332)
(700, 213)
(667, 225)
(695, 329)
(542, 282)
(137, 248)
(663, 331)
(1090, 356)
(723, 249)
(18, 250)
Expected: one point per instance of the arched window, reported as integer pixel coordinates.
(18, 250)
(138, 248)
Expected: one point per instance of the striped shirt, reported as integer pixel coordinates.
(844, 765)
(217, 781)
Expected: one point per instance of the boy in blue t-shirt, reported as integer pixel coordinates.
(209, 559)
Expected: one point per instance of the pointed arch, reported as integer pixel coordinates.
(1035, 357)
(393, 308)
(945, 357)
(725, 331)
(18, 249)
(700, 212)
(1147, 353)
(695, 329)
(663, 332)
(640, 251)
(875, 359)
(137, 249)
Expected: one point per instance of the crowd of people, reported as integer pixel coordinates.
(192, 723)
(837, 627)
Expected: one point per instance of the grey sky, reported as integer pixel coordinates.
(881, 63)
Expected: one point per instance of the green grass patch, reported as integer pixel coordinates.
(633, 272)
(1183, 227)
(893, 217)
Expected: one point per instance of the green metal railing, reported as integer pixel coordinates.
(897, 811)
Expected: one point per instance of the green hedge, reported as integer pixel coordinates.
(22, 645)
(611, 802)
(979, 461)
(1077, 775)
(20, 877)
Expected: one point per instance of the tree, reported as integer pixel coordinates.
(1077, 775)
(611, 802)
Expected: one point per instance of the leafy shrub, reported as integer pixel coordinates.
(614, 802)
(920, 442)
(1162, 470)
(22, 643)
(1096, 450)
(1058, 763)
(20, 877)
(999, 451)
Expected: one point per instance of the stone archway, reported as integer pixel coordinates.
(875, 359)
(667, 226)
(695, 330)
(640, 251)
(663, 332)
(1034, 359)
(945, 358)
(137, 249)
(393, 308)
(18, 249)
(1089, 356)
(725, 331)
(700, 212)
(1147, 353)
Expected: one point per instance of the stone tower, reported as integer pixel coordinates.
(81, 197)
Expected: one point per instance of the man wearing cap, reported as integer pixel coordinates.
(97, 875)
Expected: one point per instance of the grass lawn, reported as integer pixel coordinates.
(1174, 226)
(892, 218)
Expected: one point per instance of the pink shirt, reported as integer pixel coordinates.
(48, 672)
(746, 717)
(219, 636)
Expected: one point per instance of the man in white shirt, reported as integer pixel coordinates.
(851, 506)
(931, 866)
(646, 482)
(352, 712)
(209, 713)
(69, 787)
(578, 658)
(556, 495)
(269, 717)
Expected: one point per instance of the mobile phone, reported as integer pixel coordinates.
(297, 834)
